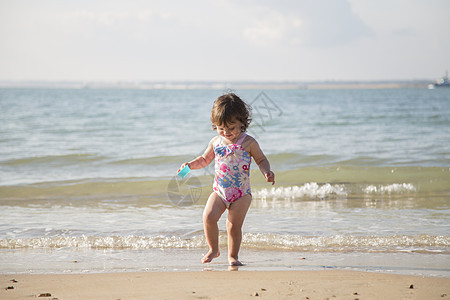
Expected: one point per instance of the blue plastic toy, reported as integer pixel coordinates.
(184, 171)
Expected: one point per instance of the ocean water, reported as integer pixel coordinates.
(88, 180)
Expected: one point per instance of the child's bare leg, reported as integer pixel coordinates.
(236, 215)
(213, 211)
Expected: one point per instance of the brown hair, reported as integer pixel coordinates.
(228, 108)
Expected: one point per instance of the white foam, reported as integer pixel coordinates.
(107, 242)
(267, 241)
(312, 190)
(343, 243)
(395, 188)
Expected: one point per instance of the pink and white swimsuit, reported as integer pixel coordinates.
(232, 165)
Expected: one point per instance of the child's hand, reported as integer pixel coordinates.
(270, 177)
(182, 166)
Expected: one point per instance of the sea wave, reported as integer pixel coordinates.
(396, 188)
(322, 191)
(99, 174)
(136, 190)
(76, 159)
(105, 242)
(69, 159)
(345, 243)
(312, 190)
(261, 241)
(301, 183)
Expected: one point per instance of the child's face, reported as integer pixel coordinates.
(230, 131)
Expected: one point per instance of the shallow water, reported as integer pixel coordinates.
(363, 180)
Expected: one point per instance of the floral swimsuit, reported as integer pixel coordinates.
(232, 165)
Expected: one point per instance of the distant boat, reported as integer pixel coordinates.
(441, 82)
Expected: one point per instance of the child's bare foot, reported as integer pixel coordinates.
(210, 256)
(233, 261)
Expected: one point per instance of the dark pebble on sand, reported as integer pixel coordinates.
(411, 286)
(45, 295)
(10, 288)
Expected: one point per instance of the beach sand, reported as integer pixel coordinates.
(329, 284)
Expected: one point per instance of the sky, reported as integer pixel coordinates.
(224, 40)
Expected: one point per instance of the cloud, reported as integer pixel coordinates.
(273, 28)
(264, 32)
(318, 23)
(333, 23)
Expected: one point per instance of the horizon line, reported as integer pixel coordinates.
(215, 84)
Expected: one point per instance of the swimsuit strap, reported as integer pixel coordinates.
(241, 139)
(238, 142)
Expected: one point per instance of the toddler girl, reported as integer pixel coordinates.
(232, 150)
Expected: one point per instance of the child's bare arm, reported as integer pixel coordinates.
(203, 160)
(264, 166)
(262, 162)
